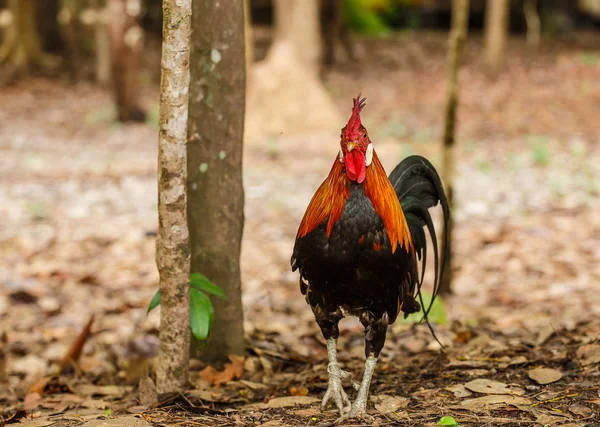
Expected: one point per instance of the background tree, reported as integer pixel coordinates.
(172, 245)
(126, 37)
(496, 31)
(534, 25)
(215, 189)
(458, 35)
(21, 45)
(285, 93)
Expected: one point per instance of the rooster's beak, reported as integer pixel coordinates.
(351, 145)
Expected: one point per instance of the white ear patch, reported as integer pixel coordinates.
(341, 156)
(369, 154)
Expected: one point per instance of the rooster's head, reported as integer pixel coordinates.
(356, 151)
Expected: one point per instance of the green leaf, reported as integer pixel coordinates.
(155, 302)
(436, 315)
(448, 421)
(201, 282)
(201, 314)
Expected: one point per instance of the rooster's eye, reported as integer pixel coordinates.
(364, 135)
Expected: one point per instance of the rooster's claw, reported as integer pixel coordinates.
(336, 390)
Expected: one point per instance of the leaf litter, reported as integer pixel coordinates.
(525, 267)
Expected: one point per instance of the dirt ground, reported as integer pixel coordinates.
(520, 333)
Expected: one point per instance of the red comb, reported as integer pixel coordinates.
(354, 123)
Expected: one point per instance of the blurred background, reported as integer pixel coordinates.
(78, 151)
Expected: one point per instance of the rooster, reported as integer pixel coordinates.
(358, 247)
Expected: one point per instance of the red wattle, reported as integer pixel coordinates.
(355, 166)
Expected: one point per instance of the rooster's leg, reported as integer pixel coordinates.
(375, 330)
(335, 389)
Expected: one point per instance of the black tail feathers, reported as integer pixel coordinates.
(419, 187)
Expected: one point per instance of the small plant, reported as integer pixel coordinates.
(201, 308)
(448, 421)
(437, 314)
(540, 151)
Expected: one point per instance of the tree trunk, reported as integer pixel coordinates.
(21, 45)
(102, 40)
(248, 32)
(534, 26)
(172, 243)
(216, 193)
(126, 36)
(458, 35)
(334, 30)
(496, 29)
(67, 18)
(285, 93)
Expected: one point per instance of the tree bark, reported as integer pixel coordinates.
(496, 29)
(534, 26)
(458, 35)
(126, 37)
(68, 17)
(285, 93)
(216, 193)
(21, 45)
(172, 244)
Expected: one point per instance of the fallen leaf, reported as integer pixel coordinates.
(386, 404)
(232, 370)
(101, 390)
(544, 375)
(147, 392)
(298, 391)
(38, 423)
(31, 401)
(459, 390)
(94, 404)
(74, 352)
(289, 401)
(129, 421)
(493, 401)
(581, 410)
(39, 385)
(482, 385)
(589, 354)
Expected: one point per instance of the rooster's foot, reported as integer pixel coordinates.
(358, 410)
(336, 390)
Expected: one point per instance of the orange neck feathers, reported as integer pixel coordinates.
(379, 190)
(330, 199)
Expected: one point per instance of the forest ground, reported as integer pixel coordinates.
(78, 220)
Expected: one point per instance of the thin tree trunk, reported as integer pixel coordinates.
(67, 18)
(216, 193)
(172, 244)
(534, 26)
(21, 45)
(458, 35)
(126, 37)
(248, 32)
(496, 30)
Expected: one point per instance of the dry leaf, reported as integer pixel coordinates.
(544, 375)
(39, 385)
(482, 385)
(148, 395)
(289, 401)
(101, 390)
(581, 410)
(74, 352)
(459, 390)
(232, 371)
(493, 401)
(31, 401)
(387, 404)
(298, 391)
(589, 354)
